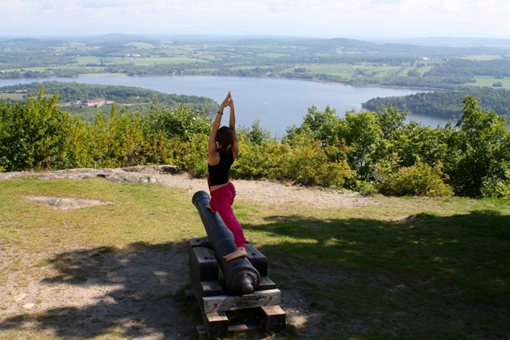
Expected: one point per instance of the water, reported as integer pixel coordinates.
(276, 103)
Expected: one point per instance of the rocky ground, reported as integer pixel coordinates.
(260, 192)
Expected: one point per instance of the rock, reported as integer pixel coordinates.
(64, 202)
(29, 305)
(20, 297)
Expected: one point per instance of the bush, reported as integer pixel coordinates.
(496, 188)
(365, 188)
(191, 155)
(309, 165)
(417, 180)
(478, 149)
(33, 134)
(267, 160)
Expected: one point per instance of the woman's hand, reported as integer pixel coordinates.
(225, 103)
(231, 101)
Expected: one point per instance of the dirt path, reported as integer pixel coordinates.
(95, 292)
(261, 192)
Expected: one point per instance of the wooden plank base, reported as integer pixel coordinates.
(222, 303)
(216, 324)
(273, 319)
(225, 314)
(233, 329)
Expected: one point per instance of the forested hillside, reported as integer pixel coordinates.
(445, 104)
(74, 92)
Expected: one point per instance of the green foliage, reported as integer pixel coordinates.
(364, 134)
(365, 151)
(191, 154)
(72, 92)
(119, 140)
(255, 161)
(417, 180)
(310, 165)
(33, 135)
(496, 188)
(322, 126)
(416, 143)
(257, 135)
(445, 104)
(177, 122)
(365, 188)
(478, 149)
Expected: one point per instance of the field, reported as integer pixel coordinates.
(352, 62)
(15, 96)
(396, 267)
(489, 81)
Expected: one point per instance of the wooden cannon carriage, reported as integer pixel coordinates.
(242, 289)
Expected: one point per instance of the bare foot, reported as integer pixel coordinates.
(239, 252)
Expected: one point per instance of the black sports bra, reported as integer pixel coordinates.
(219, 174)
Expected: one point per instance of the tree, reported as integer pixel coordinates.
(477, 149)
(33, 134)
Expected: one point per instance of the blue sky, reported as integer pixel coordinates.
(308, 18)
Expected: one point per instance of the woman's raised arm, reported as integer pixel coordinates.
(232, 125)
(211, 145)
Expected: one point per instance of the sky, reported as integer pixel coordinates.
(300, 18)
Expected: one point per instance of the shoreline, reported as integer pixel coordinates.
(329, 82)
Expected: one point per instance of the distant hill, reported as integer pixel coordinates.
(453, 42)
(446, 104)
(72, 92)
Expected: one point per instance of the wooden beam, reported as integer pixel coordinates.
(257, 259)
(216, 324)
(210, 288)
(273, 318)
(265, 283)
(221, 303)
(203, 264)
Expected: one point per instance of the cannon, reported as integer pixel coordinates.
(240, 275)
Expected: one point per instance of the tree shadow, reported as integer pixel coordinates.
(418, 276)
(133, 293)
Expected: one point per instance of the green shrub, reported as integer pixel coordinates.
(416, 180)
(309, 165)
(177, 122)
(33, 134)
(496, 188)
(478, 149)
(191, 155)
(257, 161)
(365, 188)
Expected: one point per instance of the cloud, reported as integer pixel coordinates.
(358, 18)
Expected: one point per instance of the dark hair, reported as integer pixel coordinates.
(224, 137)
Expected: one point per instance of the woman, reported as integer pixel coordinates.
(222, 149)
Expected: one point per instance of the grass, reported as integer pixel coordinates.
(489, 81)
(6, 95)
(402, 267)
(84, 60)
(482, 57)
(143, 61)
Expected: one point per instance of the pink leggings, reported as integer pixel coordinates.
(221, 201)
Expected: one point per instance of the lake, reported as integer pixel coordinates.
(276, 103)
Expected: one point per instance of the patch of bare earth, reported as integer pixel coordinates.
(84, 293)
(260, 192)
(65, 203)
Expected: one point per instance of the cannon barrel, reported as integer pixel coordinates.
(240, 275)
